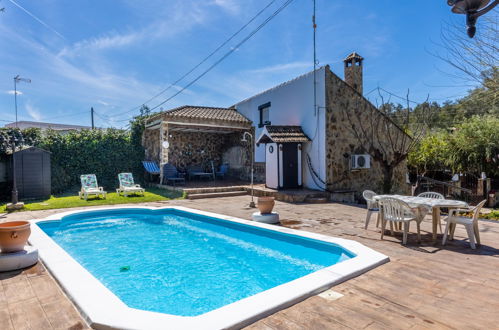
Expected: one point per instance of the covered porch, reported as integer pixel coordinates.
(204, 137)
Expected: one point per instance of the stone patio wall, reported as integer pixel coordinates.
(193, 148)
(200, 148)
(151, 143)
(341, 141)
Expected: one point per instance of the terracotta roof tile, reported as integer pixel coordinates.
(283, 134)
(208, 113)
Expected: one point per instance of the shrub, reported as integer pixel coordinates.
(102, 152)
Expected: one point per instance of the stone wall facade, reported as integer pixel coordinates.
(348, 116)
(201, 148)
(151, 144)
(193, 148)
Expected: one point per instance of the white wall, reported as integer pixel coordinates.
(292, 103)
(271, 164)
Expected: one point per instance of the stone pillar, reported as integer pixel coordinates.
(161, 151)
(165, 138)
(456, 190)
(480, 187)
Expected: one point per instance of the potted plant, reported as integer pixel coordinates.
(14, 235)
(265, 204)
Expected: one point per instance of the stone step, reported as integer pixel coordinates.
(316, 200)
(217, 194)
(206, 190)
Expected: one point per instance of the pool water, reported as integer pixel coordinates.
(181, 263)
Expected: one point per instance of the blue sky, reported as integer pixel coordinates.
(114, 55)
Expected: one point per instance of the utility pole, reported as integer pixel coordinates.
(92, 115)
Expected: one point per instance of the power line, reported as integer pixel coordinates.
(204, 59)
(104, 119)
(372, 90)
(406, 99)
(227, 54)
(398, 96)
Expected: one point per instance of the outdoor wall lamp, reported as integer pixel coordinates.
(472, 9)
(248, 134)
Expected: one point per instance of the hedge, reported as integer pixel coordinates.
(102, 152)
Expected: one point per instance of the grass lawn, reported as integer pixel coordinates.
(65, 201)
(493, 215)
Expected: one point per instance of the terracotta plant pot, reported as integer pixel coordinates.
(14, 235)
(265, 204)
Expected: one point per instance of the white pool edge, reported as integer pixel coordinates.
(104, 310)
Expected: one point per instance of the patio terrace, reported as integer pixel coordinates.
(228, 188)
(424, 286)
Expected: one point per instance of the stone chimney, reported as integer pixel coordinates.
(353, 71)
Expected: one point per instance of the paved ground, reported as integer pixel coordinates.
(424, 286)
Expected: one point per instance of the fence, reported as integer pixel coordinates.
(467, 189)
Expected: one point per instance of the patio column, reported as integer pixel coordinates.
(163, 152)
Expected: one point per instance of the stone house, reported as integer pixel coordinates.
(304, 136)
(323, 147)
(196, 135)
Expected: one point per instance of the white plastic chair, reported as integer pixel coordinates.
(471, 224)
(435, 195)
(398, 211)
(431, 194)
(372, 206)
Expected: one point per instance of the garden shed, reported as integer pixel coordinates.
(33, 174)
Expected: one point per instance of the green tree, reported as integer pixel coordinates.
(430, 154)
(474, 146)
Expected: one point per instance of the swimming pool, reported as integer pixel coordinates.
(182, 268)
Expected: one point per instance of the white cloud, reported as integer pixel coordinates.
(12, 92)
(231, 6)
(283, 67)
(33, 112)
(181, 18)
(377, 45)
(84, 84)
(100, 43)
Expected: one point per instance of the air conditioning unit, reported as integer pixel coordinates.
(360, 162)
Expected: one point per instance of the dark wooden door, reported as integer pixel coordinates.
(32, 176)
(290, 165)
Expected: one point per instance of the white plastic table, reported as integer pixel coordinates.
(434, 203)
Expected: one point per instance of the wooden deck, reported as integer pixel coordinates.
(422, 287)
